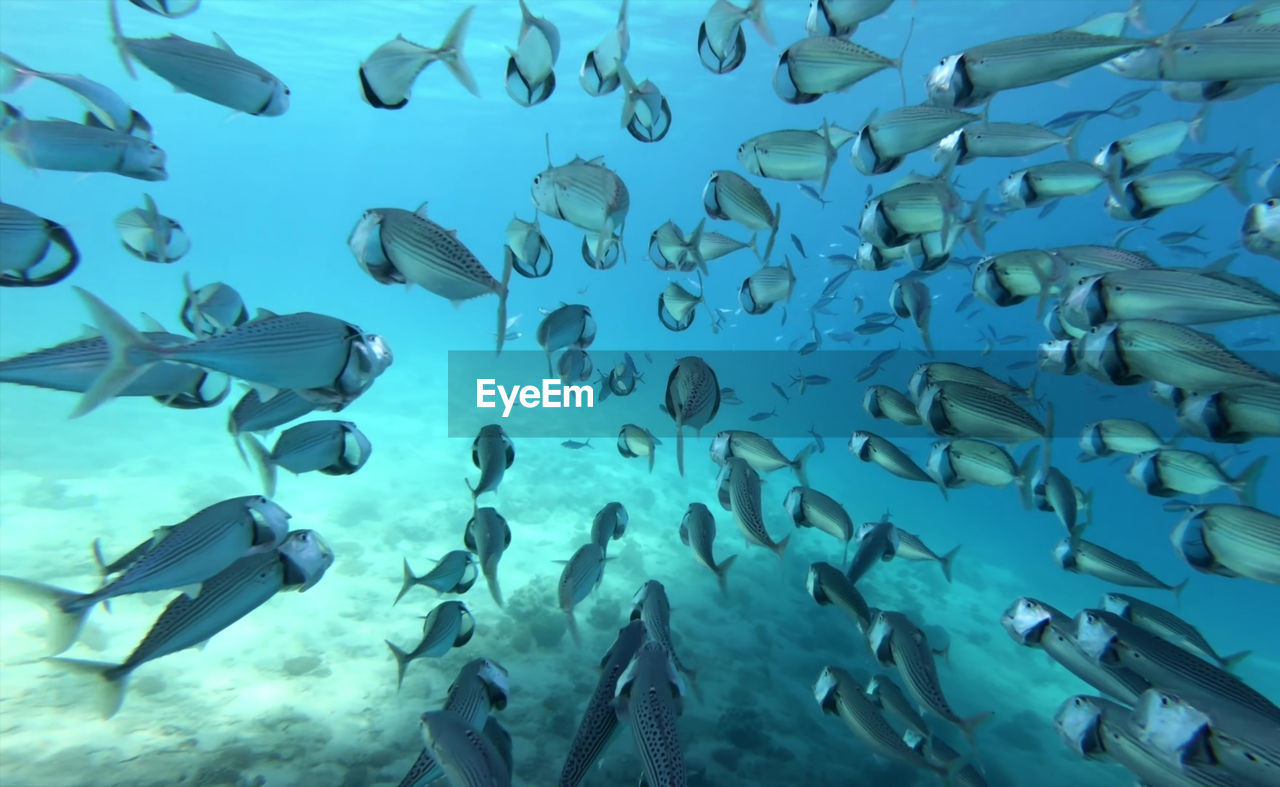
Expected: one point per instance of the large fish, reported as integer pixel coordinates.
(1231, 541)
(422, 252)
(330, 447)
(794, 154)
(1167, 626)
(692, 399)
(1261, 230)
(588, 195)
(1000, 140)
(104, 107)
(582, 574)
(885, 140)
(1147, 195)
(870, 447)
(527, 250)
(841, 17)
(698, 532)
(649, 695)
(653, 608)
(214, 73)
(71, 147)
(297, 563)
(1035, 185)
(449, 625)
(1112, 436)
(1078, 556)
(1168, 472)
(954, 409)
(744, 501)
(877, 542)
(482, 686)
(599, 72)
(387, 76)
(730, 197)
(812, 67)
(492, 452)
(1139, 350)
(1221, 53)
(1233, 416)
(965, 460)
(467, 757)
(27, 256)
(1185, 297)
(488, 535)
(1189, 737)
(1131, 155)
(600, 719)
(811, 508)
(881, 401)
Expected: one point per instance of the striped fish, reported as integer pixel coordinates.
(744, 501)
(387, 76)
(588, 195)
(792, 154)
(214, 73)
(449, 625)
(27, 240)
(330, 447)
(609, 524)
(1186, 735)
(1168, 626)
(651, 606)
(582, 574)
(488, 535)
(1232, 541)
(884, 140)
(871, 447)
(877, 542)
(105, 107)
(811, 508)
(237, 590)
(838, 693)
(454, 573)
(429, 255)
(692, 399)
(600, 719)
(889, 697)
(962, 410)
(829, 585)
(730, 197)
(815, 66)
(881, 401)
(71, 147)
(493, 453)
(1078, 556)
(252, 414)
(911, 547)
(1174, 354)
(481, 687)
(466, 755)
(1000, 140)
(908, 650)
(698, 532)
(649, 697)
(1220, 53)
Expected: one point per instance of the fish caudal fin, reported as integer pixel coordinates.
(679, 451)
(402, 662)
(573, 627)
(799, 462)
(266, 465)
(780, 547)
(1229, 663)
(722, 574)
(450, 52)
(130, 354)
(755, 12)
(1026, 472)
(945, 562)
(409, 581)
(1236, 179)
(1246, 485)
(503, 291)
(118, 38)
(64, 625)
(971, 724)
(111, 682)
(1178, 588)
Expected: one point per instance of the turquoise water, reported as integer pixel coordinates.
(301, 691)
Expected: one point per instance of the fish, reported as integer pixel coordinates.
(982, 139)
(1169, 472)
(841, 17)
(1112, 436)
(911, 547)
(331, 447)
(730, 197)
(29, 243)
(780, 392)
(1168, 353)
(299, 562)
(1148, 195)
(599, 73)
(570, 325)
(889, 697)
(609, 524)
(104, 107)
(965, 460)
(582, 574)
(422, 252)
(173, 9)
(1231, 541)
(1124, 108)
(487, 536)
(1221, 53)
(1131, 155)
(531, 78)
(1078, 556)
(877, 542)
(676, 307)
(491, 452)
(885, 140)
(721, 43)
(1232, 416)
(646, 114)
(71, 147)
(908, 650)
(453, 573)
(576, 444)
(799, 246)
(743, 484)
(1168, 626)
(649, 696)
(252, 414)
(692, 399)
(527, 250)
(388, 74)
(956, 409)
(1190, 740)
(838, 693)
(636, 441)
(588, 195)
(600, 719)
(464, 754)
(698, 532)
(214, 73)
(829, 585)
(815, 66)
(448, 625)
(795, 154)
(482, 686)
(811, 508)
(759, 452)
(182, 556)
(910, 299)
(651, 606)
(870, 447)
(213, 308)
(812, 193)
(1041, 183)
(1260, 233)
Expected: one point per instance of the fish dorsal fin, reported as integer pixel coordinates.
(150, 323)
(160, 534)
(150, 205)
(264, 314)
(597, 161)
(223, 45)
(88, 331)
(421, 212)
(93, 120)
(192, 591)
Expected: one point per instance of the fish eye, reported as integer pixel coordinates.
(537, 179)
(287, 92)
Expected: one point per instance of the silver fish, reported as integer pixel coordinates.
(1189, 739)
(909, 298)
(72, 147)
(1231, 541)
(1261, 230)
(646, 114)
(1168, 353)
(213, 308)
(870, 447)
(482, 686)
(1112, 436)
(730, 197)
(447, 626)
(721, 43)
(636, 441)
(609, 524)
(955, 409)
(1147, 195)
(531, 78)
(467, 756)
(1221, 53)
(1185, 297)
(27, 256)
(692, 398)
(214, 73)
(965, 460)
(812, 67)
(829, 585)
(767, 286)
(1131, 155)
(743, 485)
(1168, 472)
(299, 562)
(889, 697)
(488, 535)
(912, 547)
(527, 249)
(252, 414)
(698, 532)
(104, 106)
(649, 696)
(582, 574)
(147, 235)
(600, 720)
(387, 76)
(1001, 140)
(1168, 626)
(651, 606)
(570, 325)
(885, 140)
(877, 542)
(881, 401)
(676, 307)
(1036, 185)
(588, 195)
(599, 73)
(329, 447)
(1233, 416)
(453, 573)
(811, 508)
(492, 452)
(841, 17)
(794, 154)
(1078, 556)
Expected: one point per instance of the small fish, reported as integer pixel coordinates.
(870, 447)
(812, 193)
(955, 409)
(1169, 472)
(491, 452)
(1112, 436)
(576, 444)
(730, 197)
(609, 524)
(636, 441)
(646, 115)
(387, 76)
(1174, 238)
(527, 250)
(877, 542)
(799, 246)
(582, 574)
(488, 535)
(1078, 556)
(330, 447)
(759, 452)
(818, 442)
(757, 417)
(454, 573)
(698, 532)
(811, 508)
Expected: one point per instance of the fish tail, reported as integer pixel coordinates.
(573, 627)
(1136, 15)
(755, 12)
(902, 79)
(629, 89)
(111, 686)
(1178, 588)
(402, 662)
(1196, 126)
(409, 581)
(1229, 662)
(266, 465)
(451, 52)
(971, 724)
(780, 547)
(1236, 178)
(722, 574)
(831, 160)
(1070, 138)
(679, 452)
(102, 569)
(773, 234)
(66, 609)
(495, 589)
(125, 344)
(118, 38)
(798, 463)
(755, 246)
(1246, 485)
(504, 290)
(693, 246)
(1025, 473)
(973, 224)
(945, 563)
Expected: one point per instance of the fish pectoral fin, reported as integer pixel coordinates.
(223, 45)
(192, 591)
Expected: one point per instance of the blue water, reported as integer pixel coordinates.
(269, 203)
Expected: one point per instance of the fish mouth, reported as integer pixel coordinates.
(1026, 621)
(1079, 722)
